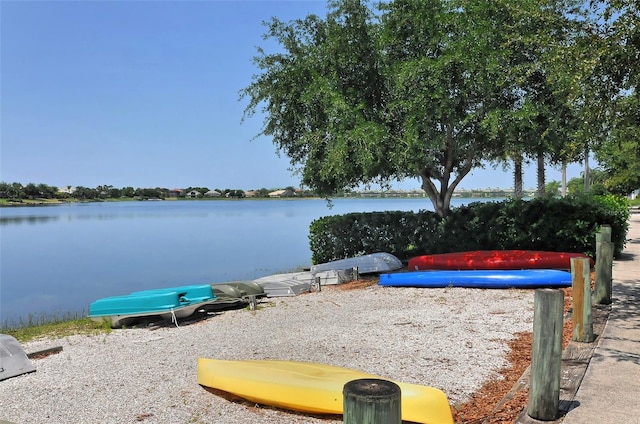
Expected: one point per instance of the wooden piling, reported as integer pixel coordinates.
(546, 359)
(318, 284)
(605, 232)
(371, 401)
(604, 266)
(581, 291)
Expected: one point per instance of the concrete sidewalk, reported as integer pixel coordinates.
(610, 390)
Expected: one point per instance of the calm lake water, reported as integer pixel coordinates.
(56, 260)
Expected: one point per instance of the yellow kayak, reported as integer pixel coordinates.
(312, 388)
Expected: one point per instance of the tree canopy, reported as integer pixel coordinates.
(417, 88)
(618, 74)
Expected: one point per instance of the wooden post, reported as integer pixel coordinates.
(546, 359)
(604, 266)
(252, 302)
(371, 401)
(318, 284)
(605, 231)
(44, 353)
(581, 284)
(355, 275)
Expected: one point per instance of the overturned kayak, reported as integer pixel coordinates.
(287, 284)
(295, 283)
(245, 288)
(366, 264)
(312, 388)
(169, 304)
(495, 259)
(233, 294)
(13, 360)
(480, 279)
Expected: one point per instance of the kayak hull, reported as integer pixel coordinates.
(167, 303)
(366, 264)
(495, 259)
(480, 279)
(312, 388)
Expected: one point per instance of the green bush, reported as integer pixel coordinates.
(556, 224)
(354, 234)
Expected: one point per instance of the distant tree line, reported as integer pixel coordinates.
(30, 191)
(17, 191)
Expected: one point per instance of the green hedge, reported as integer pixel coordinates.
(566, 224)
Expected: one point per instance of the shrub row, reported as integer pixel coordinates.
(556, 224)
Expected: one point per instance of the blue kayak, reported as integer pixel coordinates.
(479, 279)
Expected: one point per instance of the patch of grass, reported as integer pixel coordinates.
(29, 202)
(58, 329)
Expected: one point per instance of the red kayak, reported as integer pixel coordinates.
(495, 259)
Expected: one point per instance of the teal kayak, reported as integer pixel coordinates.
(167, 303)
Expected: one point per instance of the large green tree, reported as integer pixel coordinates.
(538, 116)
(368, 96)
(618, 69)
(438, 72)
(323, 97)
(620, 156)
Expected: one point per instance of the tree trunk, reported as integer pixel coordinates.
(564, 179)
(441, 200)
(518, 191)
(586, 169)
(541, 182)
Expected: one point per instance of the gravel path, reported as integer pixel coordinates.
(453, 339)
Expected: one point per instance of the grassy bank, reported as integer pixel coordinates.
(52, 202)
(56, 328)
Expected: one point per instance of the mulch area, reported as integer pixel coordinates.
(495, 402)
(489, 405)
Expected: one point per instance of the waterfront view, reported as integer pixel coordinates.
(56, 260)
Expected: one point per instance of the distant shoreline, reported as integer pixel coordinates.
(4, 203)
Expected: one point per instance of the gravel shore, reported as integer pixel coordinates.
(453, 339)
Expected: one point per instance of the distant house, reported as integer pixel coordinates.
(369, 193)
(395, 193)
(250, 193)
(175, 192)
(212, 193)
(282, 193)
(193, 194)
(67, 190)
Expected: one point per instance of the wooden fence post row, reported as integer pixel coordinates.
(582, 313)
(604, 266)
(371, 401)
(546, 358)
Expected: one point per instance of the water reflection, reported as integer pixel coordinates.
(17, 220)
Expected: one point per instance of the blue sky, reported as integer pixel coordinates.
(145, 94)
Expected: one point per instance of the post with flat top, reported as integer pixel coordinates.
(604, 266)
(371, 401)
(355, 274)
(581, 290)
(546, 358)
